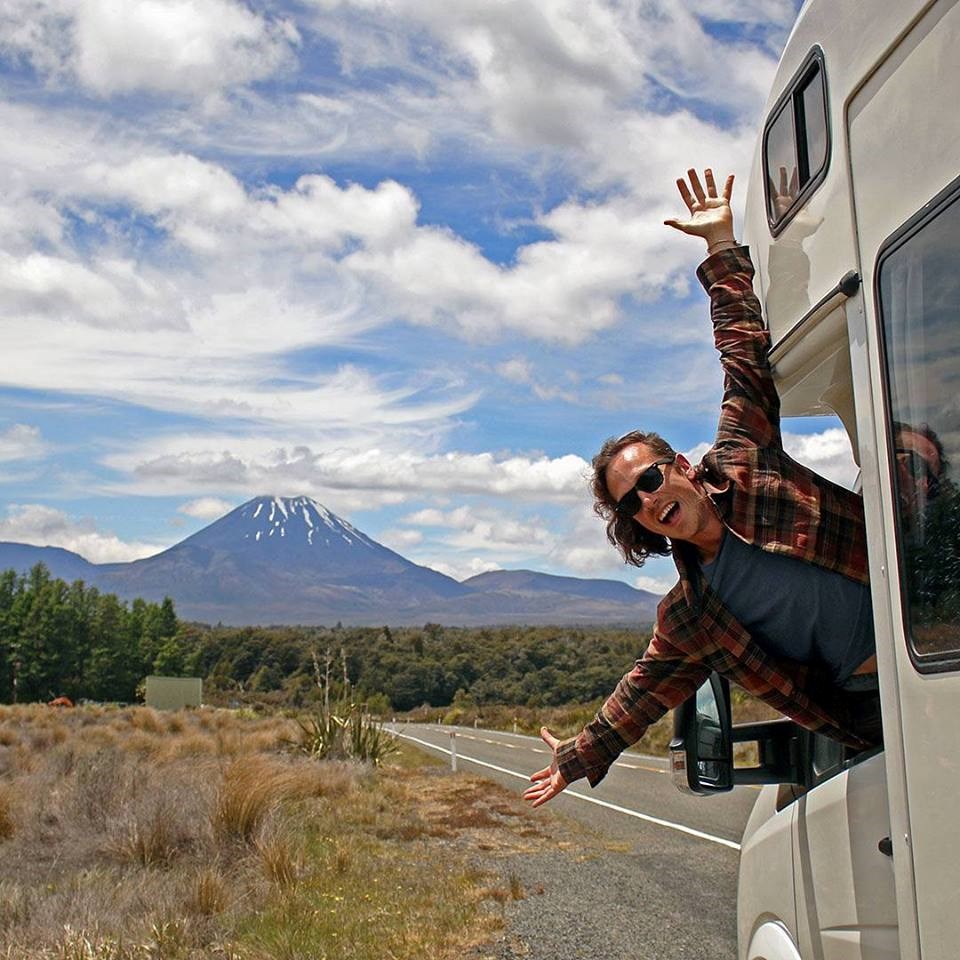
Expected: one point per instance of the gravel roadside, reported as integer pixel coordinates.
(564, 891)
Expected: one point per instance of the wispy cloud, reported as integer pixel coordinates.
(382, 254)
(21, 442)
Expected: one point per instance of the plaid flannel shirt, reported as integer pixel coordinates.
(767, 499)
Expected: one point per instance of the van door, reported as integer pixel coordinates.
(903, 128)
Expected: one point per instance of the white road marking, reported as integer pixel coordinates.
(514, 746)
(681, 828)
(527, 736)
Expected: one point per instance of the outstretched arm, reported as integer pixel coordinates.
(663, 678)
(750, 412)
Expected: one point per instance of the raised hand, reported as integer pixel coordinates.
(710, 214)
(548, 782)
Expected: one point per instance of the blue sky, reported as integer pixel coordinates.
(404, 256)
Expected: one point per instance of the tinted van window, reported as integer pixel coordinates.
(919, 298)
(796, 143)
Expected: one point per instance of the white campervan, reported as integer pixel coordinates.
(853, 219)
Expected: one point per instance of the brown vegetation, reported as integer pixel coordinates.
(129, 834)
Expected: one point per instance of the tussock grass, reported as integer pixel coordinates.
(208, 893)
(129, 834)
(6, 812)
(249, 792)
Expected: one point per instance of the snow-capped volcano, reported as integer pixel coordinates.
(284, 526)
(294, 548)
(279, 560)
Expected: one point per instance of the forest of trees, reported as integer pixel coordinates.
(405, 667)
(69, 639)
(60, 639)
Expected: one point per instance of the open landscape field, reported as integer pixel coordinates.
(128, 834)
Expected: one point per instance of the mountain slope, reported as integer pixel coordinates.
(280, 560)
(530, 583)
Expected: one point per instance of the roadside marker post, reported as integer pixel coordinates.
(453, 751)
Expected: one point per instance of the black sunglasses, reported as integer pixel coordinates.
(650, 480)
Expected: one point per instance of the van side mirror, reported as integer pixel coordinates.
(701, 751)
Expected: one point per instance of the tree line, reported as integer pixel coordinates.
(406, 667)
(69, 639)
(60, 639)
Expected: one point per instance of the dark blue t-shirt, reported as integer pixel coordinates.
(793, 608)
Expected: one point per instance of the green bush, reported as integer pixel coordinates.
(346, 732)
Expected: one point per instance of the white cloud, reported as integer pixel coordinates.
(354, 475)
(206, 508)
(21, 442)
(516, 369)
(828, 453)
(776, 12)
(400, 540)
(461, 569)
(190, 47)
(44, 526)
(487, 529)
(657, 585)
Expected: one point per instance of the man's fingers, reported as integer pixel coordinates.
(543, 774)
(685, 194)
(711, 183)
(535, 795)
(728, 188)
(697, 186)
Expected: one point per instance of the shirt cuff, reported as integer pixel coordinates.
(572, 767)
(722, 264)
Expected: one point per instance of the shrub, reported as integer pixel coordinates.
(351, 734)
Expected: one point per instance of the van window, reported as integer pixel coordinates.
(918, 287)
(796, 143)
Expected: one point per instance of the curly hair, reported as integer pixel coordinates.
(634, 542)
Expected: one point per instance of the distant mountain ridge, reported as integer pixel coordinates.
(276, 560)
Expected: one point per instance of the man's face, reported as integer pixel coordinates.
(677, 509)
(918, 469)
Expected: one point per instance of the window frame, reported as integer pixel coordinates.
(949, 195)
(791, 95)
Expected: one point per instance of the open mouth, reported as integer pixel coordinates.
(669, 512)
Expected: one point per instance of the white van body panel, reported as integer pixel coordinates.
(904, 141)
(893, 108)
(769, 897)
(846, 905)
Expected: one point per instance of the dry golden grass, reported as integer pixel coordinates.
(208, 893)
(6, 811)
(128, 834)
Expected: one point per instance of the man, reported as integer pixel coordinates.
(921, 465)
(773, 589)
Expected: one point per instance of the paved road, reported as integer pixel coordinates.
(667, 886)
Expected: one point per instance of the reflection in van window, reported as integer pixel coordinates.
(796, 144)
(919, 286)
(781, 163)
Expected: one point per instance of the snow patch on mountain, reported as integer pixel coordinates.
(300, 518)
